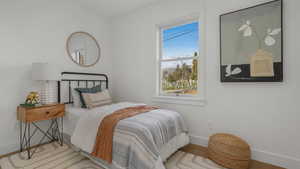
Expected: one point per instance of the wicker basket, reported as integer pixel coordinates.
(229, 151)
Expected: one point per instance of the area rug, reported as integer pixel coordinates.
(54, 156)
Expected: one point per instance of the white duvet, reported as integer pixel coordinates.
(86, 131)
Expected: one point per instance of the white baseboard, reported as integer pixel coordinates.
(264, 156)
(9, 148)
(13, 147)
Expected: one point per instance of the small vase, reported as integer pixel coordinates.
(261, 64)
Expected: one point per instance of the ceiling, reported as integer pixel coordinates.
(113, 8)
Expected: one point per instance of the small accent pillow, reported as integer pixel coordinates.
(87, 90)
(97, 99)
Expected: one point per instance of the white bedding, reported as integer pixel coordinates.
(76, 118)
(73, 114)
(71, 118)
(89, 122)
(170, 148)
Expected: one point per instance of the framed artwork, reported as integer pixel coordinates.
(252, 44)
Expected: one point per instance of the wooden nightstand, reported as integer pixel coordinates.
(30, 115)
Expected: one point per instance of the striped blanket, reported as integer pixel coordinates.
(137, 140)
(104, 141)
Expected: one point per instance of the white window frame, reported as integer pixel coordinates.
(199, 98)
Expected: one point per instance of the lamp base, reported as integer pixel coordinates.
(48, 94)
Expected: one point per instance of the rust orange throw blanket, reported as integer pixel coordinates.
(104, 140)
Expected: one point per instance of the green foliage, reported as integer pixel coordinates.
(184, 77)
(194, 75)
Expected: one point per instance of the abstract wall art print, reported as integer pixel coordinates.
(252, 44)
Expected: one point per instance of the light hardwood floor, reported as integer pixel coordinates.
(202, 151)
(197, 150)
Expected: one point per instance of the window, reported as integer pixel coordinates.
(178, 60)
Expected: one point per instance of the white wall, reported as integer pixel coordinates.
(36, 31)
(265, 114)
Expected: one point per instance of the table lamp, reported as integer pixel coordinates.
(48, 74)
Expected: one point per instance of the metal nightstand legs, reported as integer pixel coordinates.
(53, 133)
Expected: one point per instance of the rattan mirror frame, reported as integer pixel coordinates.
(93, 38)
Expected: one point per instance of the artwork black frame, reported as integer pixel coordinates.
(278, 69)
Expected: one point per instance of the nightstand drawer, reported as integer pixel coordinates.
(41, 113)
(45, 113)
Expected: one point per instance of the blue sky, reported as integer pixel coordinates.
(180, 41)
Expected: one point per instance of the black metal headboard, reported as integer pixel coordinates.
(103, 78)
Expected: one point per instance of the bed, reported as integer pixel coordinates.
(143, 141)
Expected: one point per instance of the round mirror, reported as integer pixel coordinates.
(83, 49)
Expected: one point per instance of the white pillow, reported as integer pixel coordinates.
(97, 99)
(76, 98)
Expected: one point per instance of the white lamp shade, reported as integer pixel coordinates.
(45, 72)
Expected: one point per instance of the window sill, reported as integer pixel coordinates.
(179, 100)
